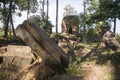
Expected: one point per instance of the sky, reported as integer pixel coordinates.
(76, 4)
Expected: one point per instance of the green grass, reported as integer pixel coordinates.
(1, 33)
(4, 76)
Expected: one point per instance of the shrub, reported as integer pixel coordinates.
(118, 37)
(74, 68)
(4, 76)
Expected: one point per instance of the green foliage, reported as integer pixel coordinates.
(22, 4)
(118, 37)
(4, 11)
(93, 6)
(71, 20)
(27, 4)
(4, 76)
(97, 11)
(74, 68)
(1, 33)
(11, 39)
(45, 24)
(4, 1)
(92, 36)
(100, 10)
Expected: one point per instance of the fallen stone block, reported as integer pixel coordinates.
(18, 56)
(21, 51)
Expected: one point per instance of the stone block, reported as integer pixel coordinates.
(18, 56)
(20, 51)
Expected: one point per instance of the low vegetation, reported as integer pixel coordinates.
(101, 58)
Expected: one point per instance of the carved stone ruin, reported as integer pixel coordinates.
(53, 57)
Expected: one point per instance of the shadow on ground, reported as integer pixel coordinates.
(103, 57)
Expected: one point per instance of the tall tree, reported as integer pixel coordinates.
(105, 10)
(116, 4)
(11, 21)
(84, 22)
(57, 19)
(4, 13)
(8, 19)
(43, 14)
(14, 5)
(28, 4)
(47, 9)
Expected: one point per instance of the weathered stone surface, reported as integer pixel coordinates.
(63, 46)
(53, 58)
(46, 42)
(30, 41)
(74, 28)
(18, 56)
(21, 51)
(110, 40)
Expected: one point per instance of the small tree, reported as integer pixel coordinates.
(69, 10)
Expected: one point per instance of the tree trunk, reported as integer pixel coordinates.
(28, 4)
(43, 10)
(11, 21)
(4, 18)
(84, 26)
(47, 8)
(114, 29)
(8, 19)
(57, 20)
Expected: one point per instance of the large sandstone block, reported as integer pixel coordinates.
(18, 56)
(46, 42)
(20, 51)
(53, 57)
(30, 32)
